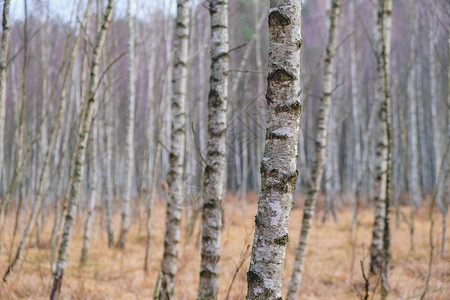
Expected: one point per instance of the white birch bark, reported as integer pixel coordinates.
(92, 186)
(79, 154)
(414, 183)
(109, 169)
(376, 248)
(321, 144)
(356, 128)
(380, 248)
(176, 155)
(214, 175)
(278, 166)
(3, 65)
(435, 121)
(129, 140)
(446, 185)
(152, 151)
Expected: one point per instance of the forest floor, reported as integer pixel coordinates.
(113, 274)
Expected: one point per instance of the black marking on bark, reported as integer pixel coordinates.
(219, 56)
(208, 170)
(212, 204)
(281, 74)
(272, 135)
(208, 274)
(282, 240)
(253, 277)
(180, 63)
(214, 99)
(273, 173)
(269, 95)
(284, 182)
(263, 169)
(217, 133)
(277, 18)
(257, 222)
(289, 106)
(181, 24)
(218, 26)
(214, 153)
(299, 43)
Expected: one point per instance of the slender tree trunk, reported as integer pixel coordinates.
(446, 185)
(176, 156)
(278, 166)
(83, 132)
(109, 170)
(129, 141)
(150, 204)
(385, 116)
(376, 249)
(3, 65)
(155, 139)
(64, 165)
(321, 144)
(414, 184)
(260, 97)
(93, 192)
(43, 141)
(437, 137)
(356, 164)
(214, 181)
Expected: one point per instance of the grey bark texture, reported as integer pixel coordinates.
(176, 155)
(129, 141)
(278, 166)
(413, 147)
(214, 175)
(3, 64)
(380, 248)
(382, 32)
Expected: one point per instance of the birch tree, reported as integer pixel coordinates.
(356, 102)
(278, 166)
(214, 180)
(3, 65)
(79, 154)
(321, 144)
(176, 155)
(380, 248)
(108, 127)
(437, 135)
(93, 188)
(129, 140)
(413, 148)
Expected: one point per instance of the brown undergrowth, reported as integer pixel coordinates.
(113, 274)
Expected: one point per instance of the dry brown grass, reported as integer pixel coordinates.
(111, 274)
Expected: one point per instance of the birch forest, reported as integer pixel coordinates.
(224, 149)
